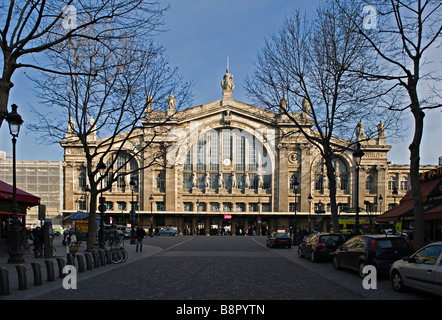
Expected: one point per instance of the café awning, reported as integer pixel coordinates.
(431, 196)
(22, 196)
(395, 213)
(79, 215)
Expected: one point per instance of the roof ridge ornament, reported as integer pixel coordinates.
(227, 83)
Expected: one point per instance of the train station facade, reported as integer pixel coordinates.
(233, 167)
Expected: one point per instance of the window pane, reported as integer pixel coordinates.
(201, 154)
(188, 164)
(252, 163)
(240, 152)
(214, 150)
(187, 180)
(227, 143)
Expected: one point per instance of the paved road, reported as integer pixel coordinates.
(223, 268)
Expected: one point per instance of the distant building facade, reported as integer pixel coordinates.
(231, 168)
(41, 178)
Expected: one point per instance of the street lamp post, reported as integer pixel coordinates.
(357, 156)
(86, 190)
(380, 199)
(151, 204)
(310, 199)
(102, 208)
(132, 212)
(15, 248)
(395, 195)
(295, 191)
(197, 217)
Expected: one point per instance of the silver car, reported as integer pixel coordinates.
(422, 270)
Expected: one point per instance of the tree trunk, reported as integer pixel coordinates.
(419, 227)
(332, 193)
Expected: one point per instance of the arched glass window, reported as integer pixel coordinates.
(82, 180)
(404, 183)
(391, 183)
(369, 183)
(126, 167)
(227, 158)
(343, 174)
(319, 175)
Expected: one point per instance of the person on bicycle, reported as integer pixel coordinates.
(37, 237)
(139, 236)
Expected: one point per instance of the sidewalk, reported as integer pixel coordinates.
(33, 290)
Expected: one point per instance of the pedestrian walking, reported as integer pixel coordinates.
(157, 231)
(140, 236)
(70, 241)
(37, 238)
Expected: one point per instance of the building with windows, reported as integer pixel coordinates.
(41, 178)
(235, 166)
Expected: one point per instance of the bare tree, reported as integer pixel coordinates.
(30, 27)
(401, 34)
(109, 106)
(307, 65)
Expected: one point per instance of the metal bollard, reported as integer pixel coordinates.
(4, 281)
(102, 257)
(80, 260)
(61, 264)
(88, 257)
(36, 268)
(70, 259)
(50, 270)
(96, 259)
(108, 256)
(22, 279)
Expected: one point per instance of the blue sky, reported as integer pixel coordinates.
(201, 35)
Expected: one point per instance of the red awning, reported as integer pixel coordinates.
(431, 196)
(394, 213)
(22, 196)
(20, 214)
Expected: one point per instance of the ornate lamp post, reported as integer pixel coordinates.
(132, 212)
(151, 204)
(395, 195)
(102, 207)
(310, 199)
(86, 190)
(380, 199)
(357, 157)
(197, 217)
(15, 248)
(295, 192)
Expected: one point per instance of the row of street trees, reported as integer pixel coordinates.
(357, 60)
(103, 73)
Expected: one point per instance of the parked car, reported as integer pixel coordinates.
(422, 270)
(168, 231)
(320, 246)
(377, 250)
(279, 239)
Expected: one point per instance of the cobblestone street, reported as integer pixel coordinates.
(214, 268)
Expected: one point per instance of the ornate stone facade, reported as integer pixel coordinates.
(233, 165)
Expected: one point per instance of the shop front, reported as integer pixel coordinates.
(401, 217)
(24, 200)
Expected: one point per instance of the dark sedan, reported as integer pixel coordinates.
(279, 239)
(379, 251)
(320, 246)
(168, 231)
